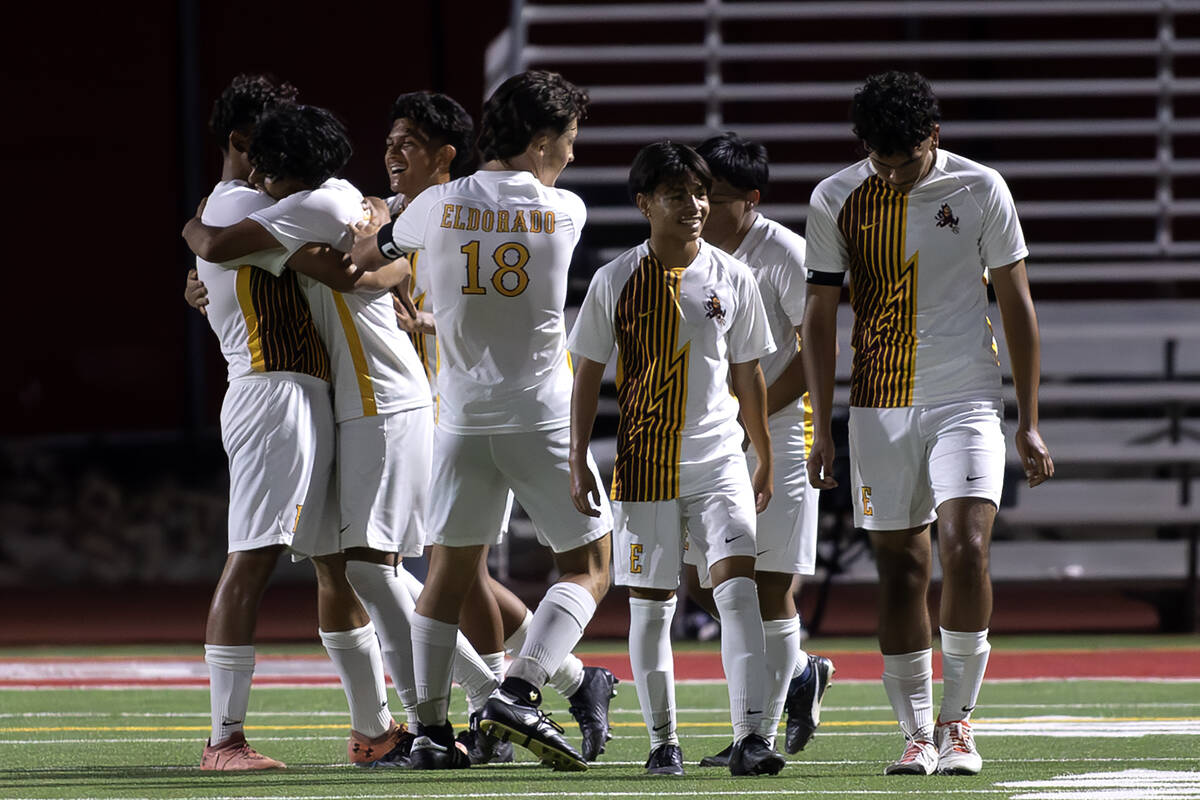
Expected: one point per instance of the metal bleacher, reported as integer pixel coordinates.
(1089, 108)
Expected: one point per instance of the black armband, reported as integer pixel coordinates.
(823, 278)
(385, 243)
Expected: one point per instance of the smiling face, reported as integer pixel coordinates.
(414, 162)
(677, 210)
(901, 171)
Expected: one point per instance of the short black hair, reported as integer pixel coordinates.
(524, 105)
(666, 162)
(244, 100)
(739, 162)
(444, 121)
(297, 141)
(893, 112)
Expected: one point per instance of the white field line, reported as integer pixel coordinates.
(1129, 784)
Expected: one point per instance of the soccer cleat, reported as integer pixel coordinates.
(589, 707)
(803, 704)
(428, 752)
(508, 719)
(483, 748)
(920, 757)
(235, 755)
(956, 749)
(753, 755)
(721, 759)
(666, 759)
(390, 749)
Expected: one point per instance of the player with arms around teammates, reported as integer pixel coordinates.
(501, 241)
(688, 324)
(921, 231)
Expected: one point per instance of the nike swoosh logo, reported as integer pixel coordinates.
(228, 722)
(974, 478)
(968, 709)
(752, 711)
(868, 226)
(347, 527)
(763, 551)
(734, 539)
(664, 726)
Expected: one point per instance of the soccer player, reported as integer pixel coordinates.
(688, 323)
(922, 232)
(786, 533)
(381, 406)
(501, 240)
(276, 425)
(424, 125)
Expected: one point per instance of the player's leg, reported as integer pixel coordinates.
(581, 544)
(894, 502)
(966, 471)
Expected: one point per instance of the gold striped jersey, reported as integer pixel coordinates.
(918, 269)
(263, 321)
(676, 330)
(418, 291)
(375, 369)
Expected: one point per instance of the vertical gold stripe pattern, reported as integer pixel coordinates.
(419, 340)
(361, 371)
(652, 376)
(883, 294)
(280, 333)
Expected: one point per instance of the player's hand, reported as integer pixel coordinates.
(763, 485)
(196, 293)
(375, 216)
(584, 492)
(820, 463)
(1035, 456)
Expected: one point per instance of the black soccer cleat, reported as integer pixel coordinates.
(752, 755)
(721, 759)
(483, 748)
(508, 719)
(803, 703)
(666, 759)
(589, 707)
(435, 748)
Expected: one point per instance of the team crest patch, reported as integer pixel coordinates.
(713, 308)
(945, 218)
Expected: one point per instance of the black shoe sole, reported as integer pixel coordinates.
(561, 760)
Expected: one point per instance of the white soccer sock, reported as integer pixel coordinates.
(964, 660)
(230, 671)
(653, 666)
(433, 653)
(567, 679)
(355, 656)
(473, 674)
(743, 653)
(390, 606)
(908, 680)
(494, 662)
(514, 643)
(801, 655)
(782, 637)
(554, 631)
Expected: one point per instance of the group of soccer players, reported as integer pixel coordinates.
(429, 436)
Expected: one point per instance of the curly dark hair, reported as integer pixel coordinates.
(444, 121)
(893, 112)
(304, 142)
(739, 162)
(244, 100)
(666, 162)
(524, 105)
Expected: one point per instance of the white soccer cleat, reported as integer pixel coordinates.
(956, 749)
(920, 758)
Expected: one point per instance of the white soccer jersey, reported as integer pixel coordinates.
(375, 369)
(498, 246)
(776, 257)
(424, 343)
(918, 269)
(262, 321)
(676, 331)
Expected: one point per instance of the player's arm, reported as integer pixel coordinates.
(585, 396)
(1011, 284)
(787, 387)
(339, 272)
(408, 316)
(746, 380)
(819, 356)
(195, 293)
(220, 244)
(373, 244)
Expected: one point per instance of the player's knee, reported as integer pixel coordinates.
(659, 595)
